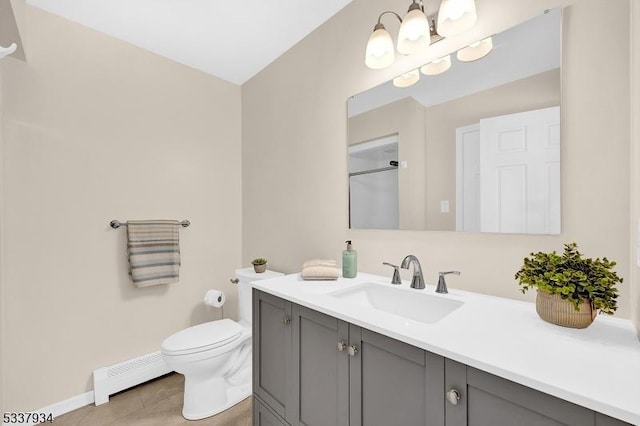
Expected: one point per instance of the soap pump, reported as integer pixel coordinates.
(349, 261)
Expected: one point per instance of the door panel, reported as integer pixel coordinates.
(524, 398)
(520, 172)
(262, 416)
(486, 409)
(488, 400)
(602, 420)
(322, 370)
(272, 337)
(392, 384)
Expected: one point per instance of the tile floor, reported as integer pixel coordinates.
(155, 403)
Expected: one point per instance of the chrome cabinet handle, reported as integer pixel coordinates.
(453, 396)
(352, 350)
(286, 320)
(234, 280)
(342, 345)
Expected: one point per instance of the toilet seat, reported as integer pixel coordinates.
(202, 337)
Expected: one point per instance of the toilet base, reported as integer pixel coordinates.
(206, 398)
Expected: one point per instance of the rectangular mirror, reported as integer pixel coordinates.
(476, 148)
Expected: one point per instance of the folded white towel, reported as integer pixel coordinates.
(320, 262)
(319, 269)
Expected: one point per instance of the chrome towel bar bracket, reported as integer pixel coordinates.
(115, 224)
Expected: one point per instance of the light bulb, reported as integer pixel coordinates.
(6, 51)
(456, 10)
(408, 79)
(456, 16)
(414, 35)
(437, 67)
(379, 53)
(476, 50)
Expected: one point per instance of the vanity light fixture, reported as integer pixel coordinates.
(416, 34)
(408, 79)
(476, 50)
(456, 16)
(437, 67)
(6, 51)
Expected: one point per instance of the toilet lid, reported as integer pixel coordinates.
(202, 337)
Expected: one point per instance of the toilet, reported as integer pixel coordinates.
(215, 357)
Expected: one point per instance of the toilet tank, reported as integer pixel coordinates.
(245, 276)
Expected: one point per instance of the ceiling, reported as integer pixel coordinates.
(232, 40)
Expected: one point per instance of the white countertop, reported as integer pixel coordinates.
(597, 367)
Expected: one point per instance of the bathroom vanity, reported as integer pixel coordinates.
(359, 351)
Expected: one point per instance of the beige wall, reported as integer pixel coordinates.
(95, 129)
(635, 159)
(295, 109)
(406, 119)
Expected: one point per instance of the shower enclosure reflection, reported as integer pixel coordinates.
(373, 184)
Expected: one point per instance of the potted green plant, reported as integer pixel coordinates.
(259, 264)
(571, 288)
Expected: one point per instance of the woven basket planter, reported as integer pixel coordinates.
(260, 268)
(552, 308)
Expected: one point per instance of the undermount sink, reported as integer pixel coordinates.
(414, 305)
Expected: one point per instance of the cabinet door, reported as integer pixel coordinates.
(272, 351)
(321, 369)
(488, 400)
(262, 416)
(602, 420)
(393, 383)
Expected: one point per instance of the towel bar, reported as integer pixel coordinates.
(115, 224)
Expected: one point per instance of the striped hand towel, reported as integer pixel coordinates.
(153, 248)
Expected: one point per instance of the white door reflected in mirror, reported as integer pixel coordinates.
(508, 170)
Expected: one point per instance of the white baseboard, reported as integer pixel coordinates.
(73, 403)
(63, 407)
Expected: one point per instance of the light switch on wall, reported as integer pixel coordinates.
(444, 206)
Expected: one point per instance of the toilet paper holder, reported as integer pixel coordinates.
(216, 299)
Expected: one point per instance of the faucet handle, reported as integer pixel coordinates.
(442, 284)
(396, 273)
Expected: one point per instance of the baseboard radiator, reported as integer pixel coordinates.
(121, 376)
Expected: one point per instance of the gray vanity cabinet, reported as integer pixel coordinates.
(312, 369)
(483, 399)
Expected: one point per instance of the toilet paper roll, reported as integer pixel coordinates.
(215, 298)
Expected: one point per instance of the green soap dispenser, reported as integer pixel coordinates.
(349, 261)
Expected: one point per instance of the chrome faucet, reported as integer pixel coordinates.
(417, 281)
